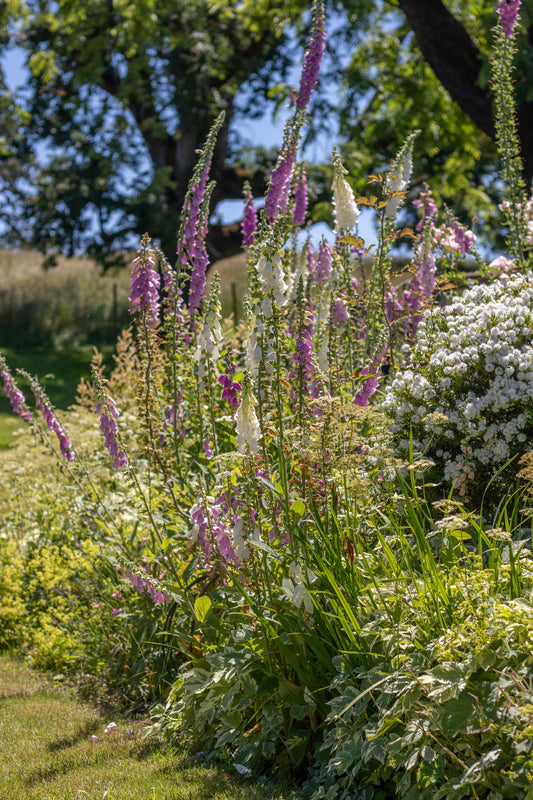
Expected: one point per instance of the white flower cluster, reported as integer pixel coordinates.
(247, 425)
(210, 338)
(259, 340)
(346, 211)
(398, 179)
(467, 394)
(272, 279)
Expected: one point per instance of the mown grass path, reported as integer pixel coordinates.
(47, 753)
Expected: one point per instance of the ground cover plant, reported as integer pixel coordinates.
(243, 543)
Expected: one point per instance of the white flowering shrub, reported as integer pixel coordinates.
(467, 392)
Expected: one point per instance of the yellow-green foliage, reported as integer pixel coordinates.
(12, 606)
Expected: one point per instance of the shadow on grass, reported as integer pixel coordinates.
(64, 742)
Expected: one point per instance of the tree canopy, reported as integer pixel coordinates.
(425, 64)
(120, 97)
(122, 94)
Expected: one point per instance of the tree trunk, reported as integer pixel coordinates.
(453, 57)
(456, 62)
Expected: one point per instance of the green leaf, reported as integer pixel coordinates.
(472, 774)
(259, 545)
(458, 712)
(201, 607)
(298, 508)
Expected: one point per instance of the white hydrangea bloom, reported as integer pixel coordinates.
(467, 393)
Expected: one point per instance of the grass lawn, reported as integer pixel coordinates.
(46, 753)
(59, 373)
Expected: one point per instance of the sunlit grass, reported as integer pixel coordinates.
(46, 752)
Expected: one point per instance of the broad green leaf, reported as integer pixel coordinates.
(202, 606)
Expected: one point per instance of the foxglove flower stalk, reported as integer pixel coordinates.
(311, 260)
(299, 209)
(346, 211)
(173, 298)
(371, 383)
(420, 290)
(200, 262)
(393, 306)
(323, 263)
(230, 388)
(247, 424)
(144, 294)
(200, 531)
(304, 353)
(313, 56)
(15, 396)
(147, 582)
(191, 250)
(427, 208)
(211, 333)
(278, 192)
(108, 413)
(508, 11)
(249, 222)
(53, 424)
(339, 314)
(272, 280)
(398, 178)
(454, 238)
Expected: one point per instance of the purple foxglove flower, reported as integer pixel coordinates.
(222, 538)
(16, 398)
(108, 413)
(191, 248)
(304, 353)
(54, 425)
(311, 260)
(313, 57)
(230, 388)
(393, 307)
(144, 294)
(463, 238)
(323, 264)
(426, 276)
(426, 206)
(136, 580)
(278, 192)
(249, 222)
(200, 531)
(339, 314)
(371, 383)
(300, 197)
(508, 12)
